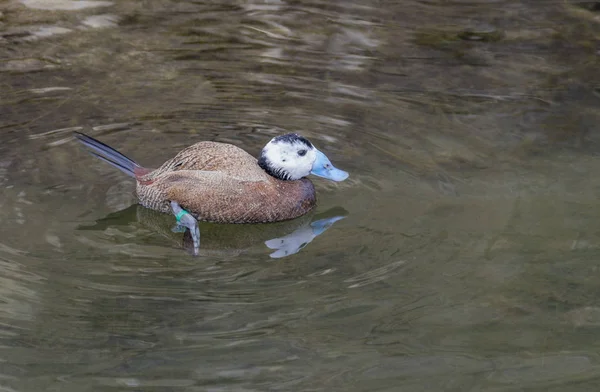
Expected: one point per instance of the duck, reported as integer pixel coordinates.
(221, 183)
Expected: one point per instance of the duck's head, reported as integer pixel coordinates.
(291, 157)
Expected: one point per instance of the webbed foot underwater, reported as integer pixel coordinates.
(218, 182)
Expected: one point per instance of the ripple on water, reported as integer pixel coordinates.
(375, 275)
(18, 288)
(543, 370)
(64, 5)
(101, 21)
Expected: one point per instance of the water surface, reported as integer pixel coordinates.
(467, 258)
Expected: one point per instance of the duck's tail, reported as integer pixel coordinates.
(110, 155)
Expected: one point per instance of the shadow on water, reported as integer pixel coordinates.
(467, 258)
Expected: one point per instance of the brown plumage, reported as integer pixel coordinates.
(219, 182)
(215, 182)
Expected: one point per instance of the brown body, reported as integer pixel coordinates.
(222, 183)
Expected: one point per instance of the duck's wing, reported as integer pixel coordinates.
(216, 196)
(224, 158)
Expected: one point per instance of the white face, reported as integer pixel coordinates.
(288, 158)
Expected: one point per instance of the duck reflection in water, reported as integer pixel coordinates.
(284, 238)
(299, 238)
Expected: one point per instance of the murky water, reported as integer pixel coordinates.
(467, 256)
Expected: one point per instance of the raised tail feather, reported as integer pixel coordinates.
(110, 155)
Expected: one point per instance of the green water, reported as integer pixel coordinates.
(468, 256)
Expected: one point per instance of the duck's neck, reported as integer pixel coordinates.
(278, 173)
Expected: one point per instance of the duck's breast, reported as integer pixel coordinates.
(278, 200)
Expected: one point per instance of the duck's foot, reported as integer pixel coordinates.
(178, 228)
(185, 219)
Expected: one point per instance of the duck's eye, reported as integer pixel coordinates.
(302, 153)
